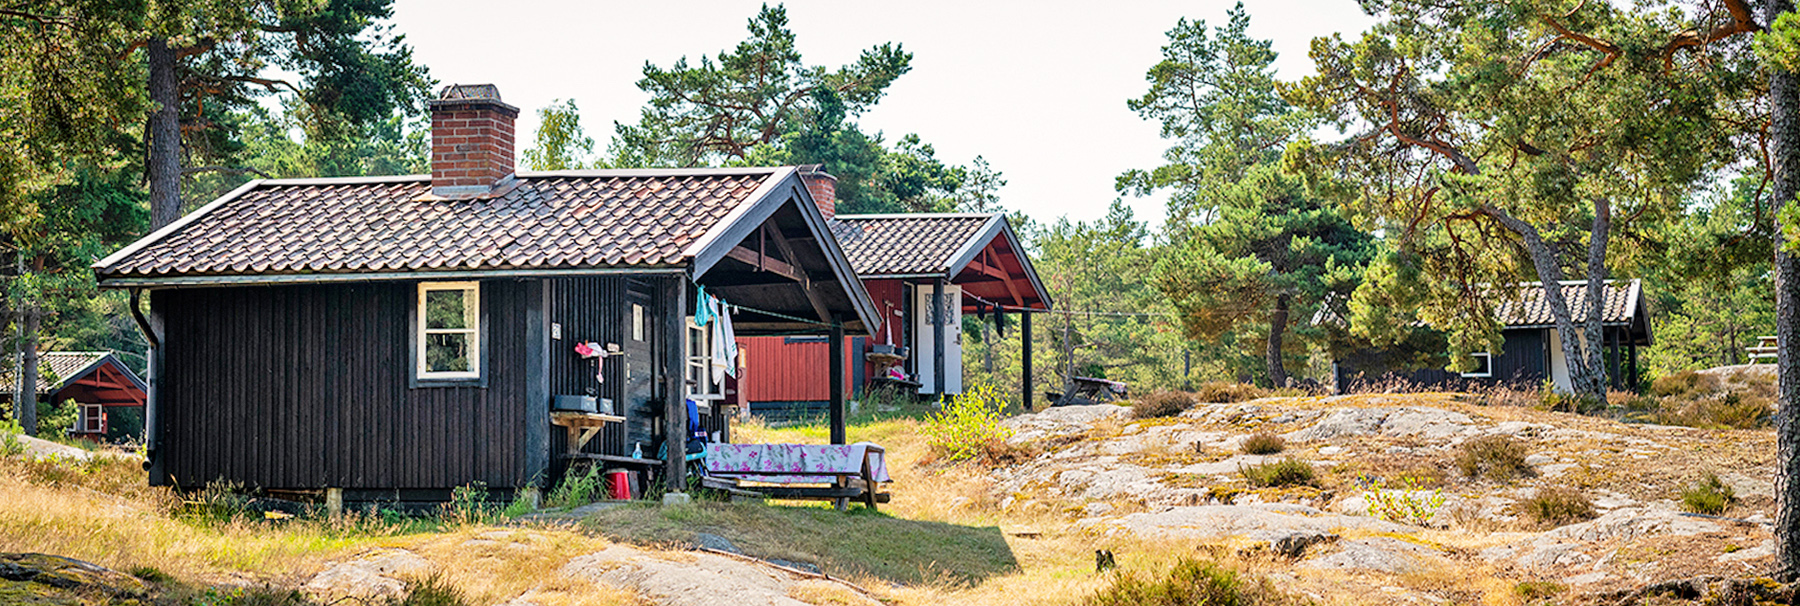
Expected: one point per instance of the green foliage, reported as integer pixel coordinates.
(561, 142)
(1710, 289)
(1493, 161)
(519, 506)
(1262, 443)
(1221, 392)
(577, 489)
(220, 502)
(1251, 251)
(55, 420)
(10, 444)
(1495, 457)
(1709, 495)
(1190, 582)
(468, 504)
(1403, 504)
(1161, 404)
(1538, 590)
(1557, 506)
(967, 425)
(1286, 472)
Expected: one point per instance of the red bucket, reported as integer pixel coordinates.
(619, 480)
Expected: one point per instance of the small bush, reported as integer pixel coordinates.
(1286, 472)
(966, 425)
(1161, 404)
(1498, 458)
(1537, 590)
(10, 444)
(1190, 582)
(1683, 383)
(1710, 496)
(1263, 444)
(1719, 411)
(1556, 506)
(578, 489)
(1403, 504)
(1221, 392)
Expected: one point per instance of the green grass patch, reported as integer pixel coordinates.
(855, 542)
(1286, 472)
(1709, 495)
(1190, 582)
(1498, 458)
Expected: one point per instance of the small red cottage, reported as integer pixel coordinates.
(111, 397)
(969, 263)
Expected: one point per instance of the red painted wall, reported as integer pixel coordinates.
(777, 371)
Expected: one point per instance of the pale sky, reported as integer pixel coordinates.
(1037, 88)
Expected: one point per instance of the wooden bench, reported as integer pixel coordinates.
(839, 473)
(1765, 348)
(1089, 390)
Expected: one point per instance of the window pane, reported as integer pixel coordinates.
(448, 353)
(448, 309)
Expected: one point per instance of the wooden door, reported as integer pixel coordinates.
(642, 407)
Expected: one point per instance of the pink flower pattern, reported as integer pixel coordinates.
(794, 463)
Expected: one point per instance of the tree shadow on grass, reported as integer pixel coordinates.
(856, 542)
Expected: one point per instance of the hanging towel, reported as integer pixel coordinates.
(720, 335)
(729, 340)
(705, 307)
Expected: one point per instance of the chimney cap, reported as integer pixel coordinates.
(471, 95)
(815, 171)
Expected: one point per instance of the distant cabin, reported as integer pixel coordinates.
(109, 397)
(1531, 350)
(925, 272)
(393, 338)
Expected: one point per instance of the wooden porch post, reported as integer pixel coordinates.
(836, 359)
(674, 313)
(937, 336)
(1025, 356)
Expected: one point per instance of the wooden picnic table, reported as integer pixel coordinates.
(1089, 390)
(1765, 348)
(771, 471)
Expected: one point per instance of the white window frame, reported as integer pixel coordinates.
(472, 297)
(1489, 357)
(697, 380)
(93, 418)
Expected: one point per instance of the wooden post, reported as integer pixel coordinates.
(674, 314)
(937, 336)
(1025, 356)
(334, 502)
(537, 383)
(25, 407)
(836, 359)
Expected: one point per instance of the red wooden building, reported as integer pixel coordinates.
(111, 397)
(970, 263)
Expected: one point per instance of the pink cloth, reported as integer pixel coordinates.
(794, 463)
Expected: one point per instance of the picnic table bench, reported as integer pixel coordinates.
(826, 472)
(1089, 390)
(1765, 348)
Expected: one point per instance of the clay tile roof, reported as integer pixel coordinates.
(54, 369)
(1530, 308)
(556, 220)
(880, 245)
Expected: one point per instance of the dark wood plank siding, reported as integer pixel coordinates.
(588, 309)
(306, 387)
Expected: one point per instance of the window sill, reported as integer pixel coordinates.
(418, 383)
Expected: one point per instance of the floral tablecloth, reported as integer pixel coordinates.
(794, 463)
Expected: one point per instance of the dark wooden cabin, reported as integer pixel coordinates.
(972, 262)
(395, 337)
(109, 395)
(1531, 352)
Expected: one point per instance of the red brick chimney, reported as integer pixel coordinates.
(471, 141)
(822, 186)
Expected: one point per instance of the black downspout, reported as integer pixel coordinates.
(1025, 356)
(153, 462)
(836, 375)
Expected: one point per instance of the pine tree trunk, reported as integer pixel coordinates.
(165, 135)
(1278, 321)
(1784, 147)
(26, 406)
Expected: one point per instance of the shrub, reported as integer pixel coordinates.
(1222, 392)
(1719, 411)
(1683, 383)
(1190, 582)
(1404, 504)
(1161, 404)
(1537, 590)
(966, 425)
(1498, 458)
(1263, 444)
(1710, 495)
(433, 590)
(468, 504)
(10, 444)
(1556, 506)
(578, 489)
(1286, 472)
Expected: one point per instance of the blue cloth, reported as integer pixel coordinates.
(703, 307)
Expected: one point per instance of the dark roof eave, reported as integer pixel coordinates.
(176, 281)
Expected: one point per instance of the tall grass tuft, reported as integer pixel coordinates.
(1286, 472)
(1190, 582)
(968, 424)
(1161, 404)
(1556, 505)
(578, 489)
(1263, 443)
(1709, 495)
(1498, 458)
(468, 505)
